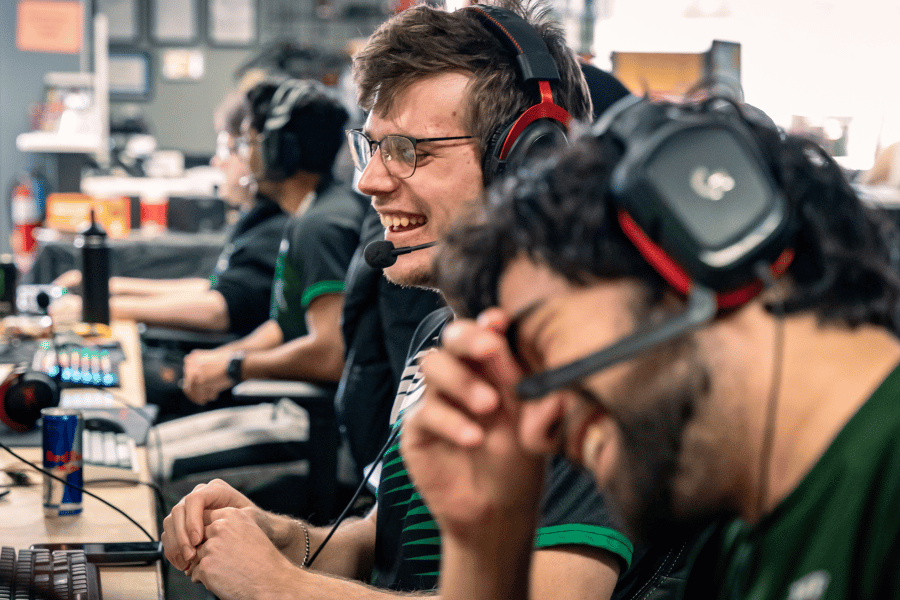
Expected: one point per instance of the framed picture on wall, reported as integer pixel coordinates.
(130, 76)
(232, 22)
(174, 21)
(123, 15)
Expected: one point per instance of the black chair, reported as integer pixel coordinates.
(318, 495)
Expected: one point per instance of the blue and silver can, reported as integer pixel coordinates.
(62, 430)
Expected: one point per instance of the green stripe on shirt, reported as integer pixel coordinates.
(320, 288)
(585, 535)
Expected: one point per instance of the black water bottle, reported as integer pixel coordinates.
(94, 273)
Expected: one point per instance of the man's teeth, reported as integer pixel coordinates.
(401, 221)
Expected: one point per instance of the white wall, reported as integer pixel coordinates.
(816, 58)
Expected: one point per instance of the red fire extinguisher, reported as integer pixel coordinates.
(26, 217)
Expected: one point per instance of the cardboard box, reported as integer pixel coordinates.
(72, 213)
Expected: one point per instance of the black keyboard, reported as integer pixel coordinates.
(45, 575)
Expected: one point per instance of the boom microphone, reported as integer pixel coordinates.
(382, 254)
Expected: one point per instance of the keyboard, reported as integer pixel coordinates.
(44, 574)
(82, 365)
(109, 455)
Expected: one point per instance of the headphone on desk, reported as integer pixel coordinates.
(696, 197)
(22, 396)
(543, 125)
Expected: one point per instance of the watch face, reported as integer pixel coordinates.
(234, 368)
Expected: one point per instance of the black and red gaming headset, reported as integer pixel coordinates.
(695, 196)
(544, 124)
(22, 396)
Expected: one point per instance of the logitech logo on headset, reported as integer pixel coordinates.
(712, 186)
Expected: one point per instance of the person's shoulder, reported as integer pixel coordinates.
(429, 330)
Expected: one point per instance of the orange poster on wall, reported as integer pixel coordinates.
(49, 26)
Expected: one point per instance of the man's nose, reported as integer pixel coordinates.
(375, 178)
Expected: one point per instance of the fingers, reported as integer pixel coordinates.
(439, 419)
(450, 380)
(483, 345)
(176, 547)
(184, 527)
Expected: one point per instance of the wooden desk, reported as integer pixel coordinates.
(22, 520)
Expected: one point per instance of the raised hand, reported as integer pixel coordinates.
(460, 442)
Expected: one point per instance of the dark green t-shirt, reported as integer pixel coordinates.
(407, 539)
(314, 255)
(837, 535)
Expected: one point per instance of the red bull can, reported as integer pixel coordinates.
(62, 430)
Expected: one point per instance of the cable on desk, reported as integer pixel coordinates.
(157, 491)
(84, 491)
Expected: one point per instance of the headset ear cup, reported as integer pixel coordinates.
(268, 147)
(537, 139)
(24, 395)
(289, 153)
(491, 165)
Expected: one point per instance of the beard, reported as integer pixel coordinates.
(421, 276)
(655, 413)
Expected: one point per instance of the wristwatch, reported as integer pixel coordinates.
(234, 367)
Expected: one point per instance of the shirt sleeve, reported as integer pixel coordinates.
(246, 282)
(574, 512)
(322, 245)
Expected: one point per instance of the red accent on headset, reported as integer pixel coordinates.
(546, 109)
(4, 416)
(679, 279)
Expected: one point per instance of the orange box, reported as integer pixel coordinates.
(72, 213)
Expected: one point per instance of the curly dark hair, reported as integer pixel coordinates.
(562, 214)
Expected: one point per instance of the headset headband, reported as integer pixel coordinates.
(532, 59)
(532, 62)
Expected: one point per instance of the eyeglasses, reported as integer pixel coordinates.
(224, 149)
(700, 310)
(398, 152)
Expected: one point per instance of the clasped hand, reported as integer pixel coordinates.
(216, 535)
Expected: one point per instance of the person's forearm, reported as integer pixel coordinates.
(305, 359)
(323, 586)
(205, 311)
(347, 554)
(493, 567)
(135, 286)
(266, 336)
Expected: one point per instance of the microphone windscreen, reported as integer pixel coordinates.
(380, 255)
(43, 300)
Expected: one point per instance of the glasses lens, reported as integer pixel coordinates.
(359, 149)
(241, 148)
(399, 155)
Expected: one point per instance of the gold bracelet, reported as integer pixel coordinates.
(306, 532)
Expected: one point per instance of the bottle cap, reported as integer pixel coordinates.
(94, 229)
